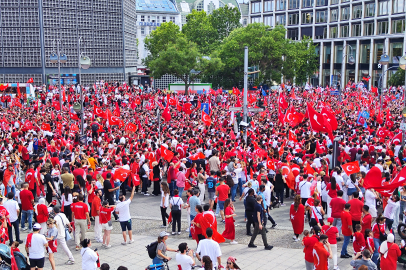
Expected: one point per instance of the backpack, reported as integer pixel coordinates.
(95, 127)
(142, 172)
(151, 248)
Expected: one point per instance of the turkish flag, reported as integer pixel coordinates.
(330, 117)
(206, 118)
(172, 101)
(130, 127)
(351, 167)
(74, 127)
(166, 153)
(282, 102)
(232, 135)
(121, 174)
(295, 169)
(116, 111)
(236, 91)
(55, 104)
(136, 181)
(397, 139)
(28, 125)
(291, 118)
(320, 148)
(281, 116)
(181, 150)
(389, 123)
(197, 156)
(99, 112)
(373, 178)
(113, 120)
(316, 119)
(138, 100)
(382, 132)
(398, 181)
(270, 165)
(379, 118)
(187, 108)
(59, 125)
(16, 102)
(30, 80)
(13, 260)
(292, 136)
(166, 114)
(73, 116)
(288, 174)
(45, 126)
(309, 169)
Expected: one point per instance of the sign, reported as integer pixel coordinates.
(205, 108)
(66, 79)
(83, 139)
(403, 126)
(149, 24)
(235, 109)
(255, 109)
(335, 93)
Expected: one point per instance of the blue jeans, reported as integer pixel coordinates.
(191, 218)
(27, 215)
(12, 189)
(116, 184)
(217, 208)
(157, 260)
(375, 256)
(180, 189)
(171, 188)
(233, 192)
(240, 183)
(345, 244)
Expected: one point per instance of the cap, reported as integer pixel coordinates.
(161, 234)
(184, 159)
(330, 220)
(36, 226)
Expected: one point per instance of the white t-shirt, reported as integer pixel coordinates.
(61, 220)
(166, 199)
(210, 248)
(184, 261)
(339, 181)
(37, 246)
(123, 209)
(370, 199)
(12, 207)
(176, 201)
(304, 187)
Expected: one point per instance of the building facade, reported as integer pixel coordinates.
(31, 28)
(364, 29)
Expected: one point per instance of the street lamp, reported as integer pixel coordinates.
(83, 62)
(351, 61)
(58, 58)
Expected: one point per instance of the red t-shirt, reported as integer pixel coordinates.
(356, 209)
(77, 172)
(197, 219)
(80, 210)
(96, 206)
(309, 244)
(331, 232)
(91, 195)
(223, 192)
(366, 223)
(105, 214)
(24, 153)
(358, 242)
(337, 206)
(332, 192)
(320, 257)
(382, 228)
(26, 197)
(346, 222)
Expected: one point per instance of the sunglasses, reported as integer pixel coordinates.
(228, 262)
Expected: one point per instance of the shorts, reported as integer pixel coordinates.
(350, 191)
(39, 263)
(211, 195)
(50, 251)
(373, 212)
(221, 204)
(106, 227)
(125, 225)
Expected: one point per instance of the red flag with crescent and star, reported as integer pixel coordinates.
(166, 153)
(351, 167)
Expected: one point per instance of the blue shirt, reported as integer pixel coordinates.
(193, 201)
(263, 198)
(211, 184)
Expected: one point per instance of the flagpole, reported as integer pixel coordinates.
(245, 110)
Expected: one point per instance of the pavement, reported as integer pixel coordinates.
(146, 216)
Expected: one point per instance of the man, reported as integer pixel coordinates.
(214, 162)
(265, 205)
(67, 179)
(32, 180)
(61, 223)
(337, 206)
(34, 246)
(222, 192)
(105, 221)
(109, 192)
(304, 187)
(13, 209)
(250, 203)
(366, 221)
(185, 258)
(193, 201)
(365, 260)
(320, 254)
(209, 247)
(144, 172)
(259, 228)
(390, 211)
(211, 187)
(80, 214)
(356, 210)
(9, 179)
(27, 203)
(347, 230)
(309, 243)
(78, 171)
(95, 212)
(123, 211)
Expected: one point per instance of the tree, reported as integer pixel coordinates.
(225, 20)
(398, 78)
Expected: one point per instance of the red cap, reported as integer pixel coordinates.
(330, 220)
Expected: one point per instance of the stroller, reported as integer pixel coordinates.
(5, 263)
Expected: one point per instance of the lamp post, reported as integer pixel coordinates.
(380, 83)
(402, 65)
(351, 61)
(58, 58)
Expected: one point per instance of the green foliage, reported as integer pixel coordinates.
(225, 20)
(398, 78)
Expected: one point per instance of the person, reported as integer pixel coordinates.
(209, 247)
(231, 263)
(109, 192)
(80, 214)
(175, 204)
(250, 203)
(67, 200)
(156, 178)
(162, 248)
(144, 172)
(104, 266)
(390, 210)
(296, 215)
(52, 233)
(390, 252)
(61, 222)
(280, 182)
(41, 210)
(105, 222)
(379, 231)
(13, 209)
(211, 187)
(95, 212)
(222, 192)
(123, 211)
(259, 228)
(332, 234)
(198, 233)
(308, 243)
(201, 182)
(68, 179)
(366, 221)
(346, 230)
(358, 243)
(364, 260)
(356, 209)
(321, 253)
(304, 188)
(27, 206)
(207, 263)
(229, 231)
(165, 192)
(184, 258)
(89, 256)
(49, 183)
(316, 214)
(180, 181)
(34, 246)
(193, 201)
(337, 205)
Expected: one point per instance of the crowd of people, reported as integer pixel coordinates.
(195, 157)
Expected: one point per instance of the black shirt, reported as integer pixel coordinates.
(258, 208)
(106, 187)
(48, 181)
(250, 202)
(279, 181)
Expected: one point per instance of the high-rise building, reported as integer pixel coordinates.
(363, 29)
(31, 28)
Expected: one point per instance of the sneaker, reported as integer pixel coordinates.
(173, 233)
(30, 231)
(131, 241)
(146, 194)
(21, 241)
(99, 240)
(107, 246)
(269, 247)
(274, 225)
(296, 239)
(336, 268)
(252, 246)
(233, 242)
(223, 221)
(69, 262)
(103, 245)
(282, 204)
(187, 230)
(178, 233)
(77, 248)
(163, 226)
(24, 229)
(124, 243)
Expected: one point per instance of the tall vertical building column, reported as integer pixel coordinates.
(331, 62)
(371, 60)
(357, 57)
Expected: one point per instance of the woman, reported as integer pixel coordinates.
(207, 263)
(67, 200)
(81, 186)
(164, 202)
(229, 213)
(242, 178)
(297, 217)
(279, 186)
(390, 252)
(352, 185)
(51, 238)
(331, 189)
(99, 183)
(192, 173)
(56, 177)
(156, 178)
(89, 257)
(201, 181)
(162, 248)
(231, 263)
(175, 204)
(316, 212)
(379, 235)
(42, 215)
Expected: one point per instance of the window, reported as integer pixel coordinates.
(398, 26)
(268, 20)
(321, 32)
(369, 29)
(383, 8)
(327, 54)
(334, 2)
(245, 22)
(210, 7)
(200, 6)
(345, 13)
(221, 4)
(153, 18)
(370, 10)
(334, 15)
(163, 19)
(396, 52)
(172, 19)
(280, 4)
(356, 30)
(308, 3)
(294, 4)
(321, 3)
(142, 30)
(255, 7)
(344, 1)
(148, 18)
(378, 52)
(357, 12)
(365, 53)
(321, 16)
(142, 18)
(293, 34)
(338, 56)
(280, 19)
(268, 6)
(293, 19)
(333, 32)
(255, 19)
(399, 6)
(383, 28)
(344, 30)
(307, 17)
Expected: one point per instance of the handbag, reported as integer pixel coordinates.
(67, 233)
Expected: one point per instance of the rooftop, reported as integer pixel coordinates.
(186, 6)
(156, 6)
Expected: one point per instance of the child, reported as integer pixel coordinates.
(358, 239)
(51, 238)
(305, 235)
(369, 239)
(14, 246)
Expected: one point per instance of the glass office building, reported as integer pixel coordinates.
(364, 29)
